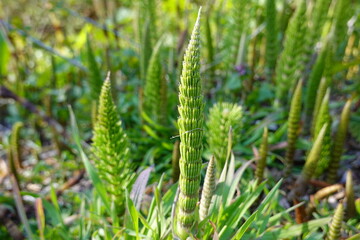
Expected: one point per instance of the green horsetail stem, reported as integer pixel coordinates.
(210, 51)
(162, 114)
(317, 21)
(313, 86)
(261, 163)
(271, 37)
(314, 155)
(93, 113)
(291, 62)
(154, 90)
(235, 29)
(320, 93)
(335, 227)
(147, 33)
(342, 14)
(349, 196)
(310, 166)
(338, 146)
(293, 128)
(324, 117)
(15, 144)
(12, 166)
(190, 122)
(208, 189)
(111, 148)
(175, 161)
(95, 79)
(222, 117)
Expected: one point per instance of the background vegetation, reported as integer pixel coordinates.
(270, 88)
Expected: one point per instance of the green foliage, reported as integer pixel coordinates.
(320, 93)
(95, 79)
(342, 15)
(310, 166)
(111, 148)
(314, 155)
(355, 126)
(4, 56)
(261, 162)
(293, 128)
(338, 146)
(291, 62)
(271, 32)
(147, 27)
(210, 51)
(313, 84)
(236, 84)
(155, 90)
(208, 189)
(317, 21)
(235, 30)
(190, 124)
(336, 223)
(222, 117)
(324, 118)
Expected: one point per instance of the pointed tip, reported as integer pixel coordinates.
(107, 79)
(323, 129)
(326, 97)
(327, 92)
(300, 81)
(348, 102)
(198, 18)
(212, 159)
(349, 176)
(339, 208)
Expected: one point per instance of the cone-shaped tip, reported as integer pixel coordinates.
(107, 79)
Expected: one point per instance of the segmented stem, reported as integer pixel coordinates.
(314, 155)
(271, 37)
(111, 148)
(291, 61)
(324, 118)
(175, 161)
(190, 124)
(309, 168)
(342, 14)
(293, 128)
(208, 189)
(338, 146)
(349, 196)
(317, 22)
(335, 227)
(236, 28)
(320, 93)
(261, 163)
(15, 144)
(222, 117)
(95, 79)
(155, 87)
(313, 85)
